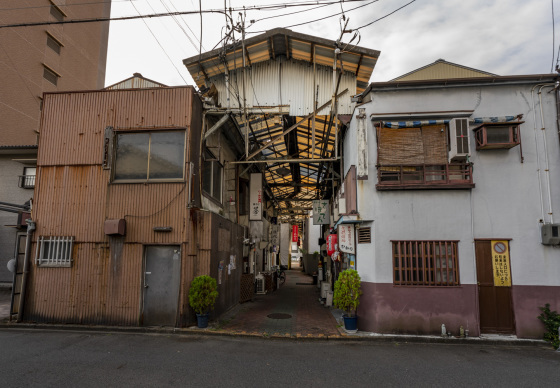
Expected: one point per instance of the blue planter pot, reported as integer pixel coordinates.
(350, 323)
(202, 320)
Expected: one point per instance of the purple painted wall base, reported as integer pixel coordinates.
(385, 308)
(526, 303)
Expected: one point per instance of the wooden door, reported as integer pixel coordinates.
(495, 305)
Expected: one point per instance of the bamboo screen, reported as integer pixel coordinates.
(413, 146)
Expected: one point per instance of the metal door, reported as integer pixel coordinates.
(162, 275)
(495, 305)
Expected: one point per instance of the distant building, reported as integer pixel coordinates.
(35, 60)
(442, 69)
(455, 199)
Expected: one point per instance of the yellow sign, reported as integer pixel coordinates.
(500, 264)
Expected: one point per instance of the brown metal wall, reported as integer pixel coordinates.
(74, 196)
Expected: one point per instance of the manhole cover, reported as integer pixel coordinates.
(279, 316)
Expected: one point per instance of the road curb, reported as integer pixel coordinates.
(212, 332)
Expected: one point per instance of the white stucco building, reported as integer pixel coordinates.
(452, 177)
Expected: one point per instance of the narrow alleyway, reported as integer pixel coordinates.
(293, 310)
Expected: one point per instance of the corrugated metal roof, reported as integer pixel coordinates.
(357, 60)
(442, 69)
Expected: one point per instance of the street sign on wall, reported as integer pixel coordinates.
(255, 197)
(500, 263)
(346, 240)
(321, 212)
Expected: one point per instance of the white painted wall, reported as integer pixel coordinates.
(312, 237)
(504, 204)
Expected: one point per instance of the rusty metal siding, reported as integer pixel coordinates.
(99, 288)
(73, 124)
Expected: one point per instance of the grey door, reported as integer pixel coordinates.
(162, 275)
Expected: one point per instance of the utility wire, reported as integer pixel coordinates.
(165, 52)
(383, 17)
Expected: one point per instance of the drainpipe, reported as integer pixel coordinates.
(547, 165)
(30, 229)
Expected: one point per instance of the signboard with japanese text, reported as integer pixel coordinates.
(346, 239)
(321, 212)
(331, 244)
(255, 198)
(501, 264)
(294, 233)
(274, 235)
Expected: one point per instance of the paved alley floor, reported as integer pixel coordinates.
(292, 310)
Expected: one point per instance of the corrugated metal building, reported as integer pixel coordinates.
(117, 209)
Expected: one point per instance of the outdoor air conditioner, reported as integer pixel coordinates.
(261, 285)
(550, 234)
(459, 139)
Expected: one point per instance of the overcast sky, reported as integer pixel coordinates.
(504, 37)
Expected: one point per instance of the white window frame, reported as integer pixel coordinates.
(53, 251)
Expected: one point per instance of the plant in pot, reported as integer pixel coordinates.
(202, 296)
(347, 291)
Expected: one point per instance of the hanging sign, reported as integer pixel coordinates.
(346, 240)
(255, 197)
(321, 212)
(500, 263)
(274, 234)
(331, 244)
(294, 233)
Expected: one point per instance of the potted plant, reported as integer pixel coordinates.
(347, 291)
(202, 296)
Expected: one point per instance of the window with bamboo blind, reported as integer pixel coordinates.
(425, 263)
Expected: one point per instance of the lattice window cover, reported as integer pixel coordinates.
(54, 251)
(364, 235)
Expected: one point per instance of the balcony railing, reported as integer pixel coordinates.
(425, 176)
(26, 181)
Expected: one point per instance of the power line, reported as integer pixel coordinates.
(383, 17)
(166, 14)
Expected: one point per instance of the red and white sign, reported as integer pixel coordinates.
(331, 244)
(346, 240)
(294, 233)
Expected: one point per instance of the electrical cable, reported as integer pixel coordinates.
(383, 17)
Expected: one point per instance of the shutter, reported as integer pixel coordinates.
(435, 145)
(400, 146)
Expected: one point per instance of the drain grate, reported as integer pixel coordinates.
(279, 316)
(305, 284)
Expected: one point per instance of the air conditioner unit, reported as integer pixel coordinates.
(550, 234)
(459, 139)
(261, 284)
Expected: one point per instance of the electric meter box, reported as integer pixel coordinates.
(550, 234)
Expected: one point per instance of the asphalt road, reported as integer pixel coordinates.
(78, 359)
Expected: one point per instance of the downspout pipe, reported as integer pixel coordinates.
(547, 165)
(30, 229)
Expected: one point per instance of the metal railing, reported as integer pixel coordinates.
(26, 181)
(428, 175)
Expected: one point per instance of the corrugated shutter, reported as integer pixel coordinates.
(411, 146)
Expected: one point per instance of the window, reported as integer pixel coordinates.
(212, 176)
(425, 263)
(54, 251)
(416, 157)
(150, 156)
(243, 197)
(50, 75)
(27, 180)
(53, 43)
(497, 135)
(57, 13)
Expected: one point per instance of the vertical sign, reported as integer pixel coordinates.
(500, 263)
(294, 233)
(255, 211)
(274, 233)
(321, 212)
(331, 244)
(361, 137)
(346, 238)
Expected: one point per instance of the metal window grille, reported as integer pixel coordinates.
(54, 251)
(50, 76)
(53, 44)
(364, 235)
(425, 263)
(26, 181)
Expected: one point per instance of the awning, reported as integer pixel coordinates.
(497, 119)
(413, 124)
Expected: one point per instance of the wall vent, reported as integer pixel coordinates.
(364, 235)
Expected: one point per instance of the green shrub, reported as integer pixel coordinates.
(202, 294)
(347, 291)
(551, 320)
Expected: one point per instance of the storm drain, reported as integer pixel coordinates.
(279, 316)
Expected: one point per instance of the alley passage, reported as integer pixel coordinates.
(292, 310)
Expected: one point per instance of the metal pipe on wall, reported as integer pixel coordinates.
(547, 165)
(30, 229)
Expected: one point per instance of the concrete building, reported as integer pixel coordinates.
(458, 187)
(35, 60)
